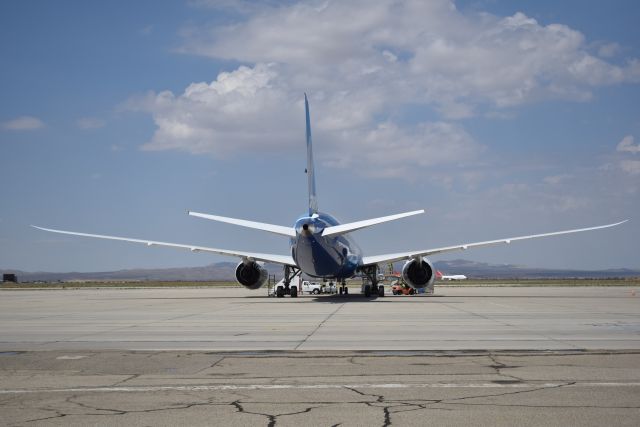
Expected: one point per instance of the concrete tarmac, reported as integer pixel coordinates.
(201, 357)
(456, 318)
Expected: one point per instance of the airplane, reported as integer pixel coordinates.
(441, 276)
(321, 247)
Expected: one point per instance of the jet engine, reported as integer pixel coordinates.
(251, 275)
(418, 274)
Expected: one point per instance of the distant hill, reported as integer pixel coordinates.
(226, 271)
(212, 272)
(481, 270)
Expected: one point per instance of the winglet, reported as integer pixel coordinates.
(313, 201)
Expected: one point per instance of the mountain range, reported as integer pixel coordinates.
(225, 271)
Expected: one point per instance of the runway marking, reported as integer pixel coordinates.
(221, 387)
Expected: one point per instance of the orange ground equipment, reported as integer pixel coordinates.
(401, 288)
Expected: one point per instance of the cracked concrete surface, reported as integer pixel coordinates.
(201, 357)
(321, 388)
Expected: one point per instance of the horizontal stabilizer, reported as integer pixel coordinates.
(427, 252)
(352, 226)
(277, 229)
(278, 259)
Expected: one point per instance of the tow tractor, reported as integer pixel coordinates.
(401, 288)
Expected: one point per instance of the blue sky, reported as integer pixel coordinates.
(499, 118)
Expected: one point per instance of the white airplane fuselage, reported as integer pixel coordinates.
(454, 277)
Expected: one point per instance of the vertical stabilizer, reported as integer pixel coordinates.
(311, 177)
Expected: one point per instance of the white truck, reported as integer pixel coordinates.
(307, 287)
(318, 288)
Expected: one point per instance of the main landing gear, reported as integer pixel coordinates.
(343, 289)
(287, 289)
(370, 287)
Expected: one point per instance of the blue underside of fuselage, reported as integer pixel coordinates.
(327, 257)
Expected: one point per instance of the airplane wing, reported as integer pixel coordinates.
(277, 229)
(427, 252)
(278, 259)
(352, 226)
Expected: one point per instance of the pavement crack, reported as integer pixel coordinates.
(319, 326)
(379, 399)
(58, 415)
(214, 364)
(71, 399)
(131, 377)
(510, 393)
(507, 324)
(387, 417)
(499, 366)
(111, 411)
(272, 418)
(240, 408)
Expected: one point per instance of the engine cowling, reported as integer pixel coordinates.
(418, 274)
(251, 275)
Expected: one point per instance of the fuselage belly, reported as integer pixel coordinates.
(327, 257)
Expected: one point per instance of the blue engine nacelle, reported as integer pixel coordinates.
(251, 275)
(418, 274)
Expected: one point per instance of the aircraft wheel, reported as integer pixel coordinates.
(341, 290)
(280, 292)
(293, 292)
(367, 291)
(346, 290)
(380, 291)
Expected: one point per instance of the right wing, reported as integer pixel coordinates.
(278, 259)
(427, 252)
(353, 226)
(277, 229)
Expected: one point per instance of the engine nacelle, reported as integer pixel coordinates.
(418, 275)
(251, 275)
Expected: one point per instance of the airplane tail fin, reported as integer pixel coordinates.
(313, 201)
(438, 274)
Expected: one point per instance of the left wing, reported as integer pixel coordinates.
(277, 229)
(278, 259)
(408, 255)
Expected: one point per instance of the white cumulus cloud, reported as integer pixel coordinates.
(420, 51)
(627, 145)
(254, 109)
(364, 65)
(244, 109)
(609, 50)
(23, 123)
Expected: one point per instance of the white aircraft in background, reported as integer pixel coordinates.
(441, 276)
(320, 246)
